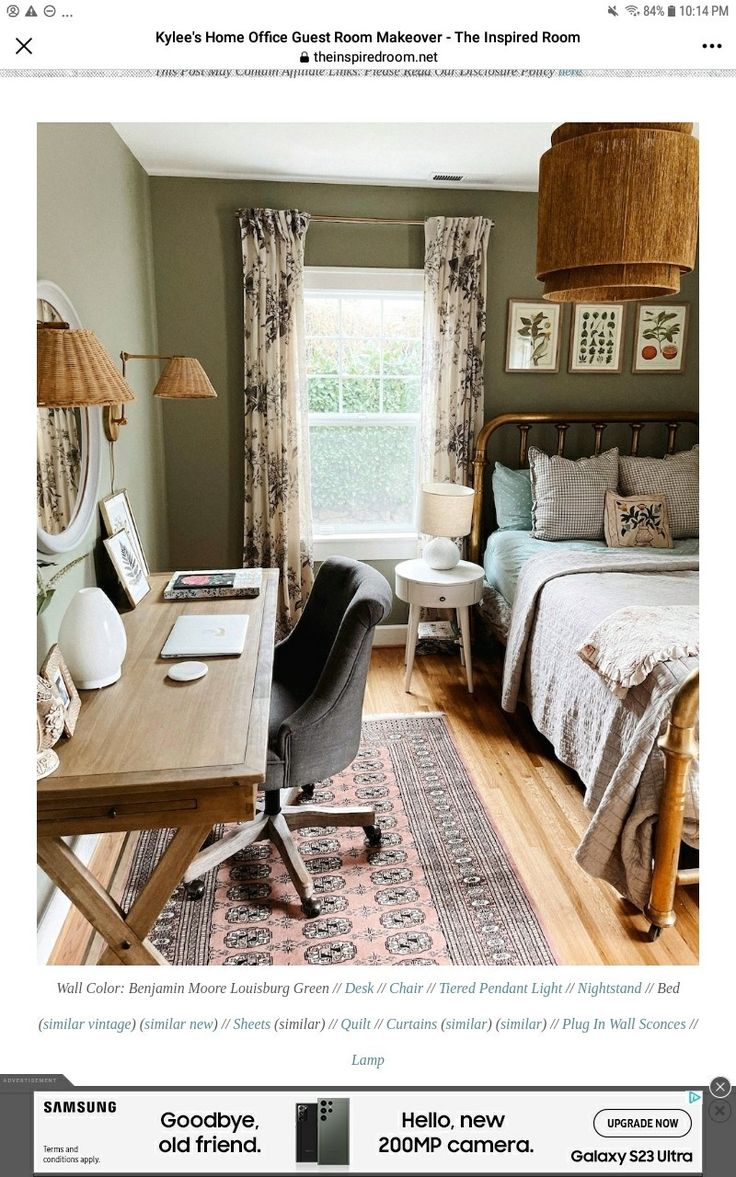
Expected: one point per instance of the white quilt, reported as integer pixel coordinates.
(609, 742)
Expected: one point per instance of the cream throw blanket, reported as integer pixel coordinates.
(626, 646)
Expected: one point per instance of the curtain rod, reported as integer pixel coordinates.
(368, 220)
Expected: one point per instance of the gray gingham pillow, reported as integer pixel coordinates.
(569, 498)
(674, 478)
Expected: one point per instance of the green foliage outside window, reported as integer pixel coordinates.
(363, 476)
(363, 359)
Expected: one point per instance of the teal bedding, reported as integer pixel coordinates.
(506, 552)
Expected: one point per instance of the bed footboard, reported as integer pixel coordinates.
(680, 747)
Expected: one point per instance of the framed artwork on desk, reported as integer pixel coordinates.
(130, 571)
(117, 515)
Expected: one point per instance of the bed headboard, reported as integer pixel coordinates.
(524, 422)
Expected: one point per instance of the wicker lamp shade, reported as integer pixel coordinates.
(618, 211)
(73, 369)
(184, 378)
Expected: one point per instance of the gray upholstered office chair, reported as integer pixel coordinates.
(319, 678)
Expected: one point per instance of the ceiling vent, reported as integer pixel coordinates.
(447, 177)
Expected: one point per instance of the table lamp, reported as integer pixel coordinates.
(445, 509)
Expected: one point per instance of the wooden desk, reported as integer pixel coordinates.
(149, 753)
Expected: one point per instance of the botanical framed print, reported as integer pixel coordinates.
(56, 673)
(660, 337)
(118, 516)
(597, 337)
(533, 336)
(128, 567)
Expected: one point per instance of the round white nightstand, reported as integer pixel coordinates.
(421, 586)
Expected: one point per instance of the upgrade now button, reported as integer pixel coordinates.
(642, 1122)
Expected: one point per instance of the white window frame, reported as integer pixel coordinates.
(354, 280)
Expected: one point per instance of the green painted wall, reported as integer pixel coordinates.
(94, 240)
(199, 302)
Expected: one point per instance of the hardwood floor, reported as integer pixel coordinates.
(534, 802)
(536, 805)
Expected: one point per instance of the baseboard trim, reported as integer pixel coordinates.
(390, 635)
(56, 910)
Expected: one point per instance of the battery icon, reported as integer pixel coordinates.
(671, 10)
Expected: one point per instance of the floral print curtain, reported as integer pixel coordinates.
(59, 464)
(455, 273)
(277, 529)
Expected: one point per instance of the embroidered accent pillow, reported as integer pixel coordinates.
(636, 522)
(512, 497)
(569, 497)
(675, 478)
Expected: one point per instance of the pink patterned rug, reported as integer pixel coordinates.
(439, 890)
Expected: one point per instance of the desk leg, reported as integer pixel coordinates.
(124, 934)
(411, 643)
(464, 616)
(90, 897)
(165, 878)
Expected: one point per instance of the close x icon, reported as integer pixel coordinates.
(23, 45)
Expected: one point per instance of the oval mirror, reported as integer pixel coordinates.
(68, 451)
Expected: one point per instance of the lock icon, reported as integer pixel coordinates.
(304, 57)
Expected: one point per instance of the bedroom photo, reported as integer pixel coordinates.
(381, 648)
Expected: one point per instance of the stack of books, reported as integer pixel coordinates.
(213, 583)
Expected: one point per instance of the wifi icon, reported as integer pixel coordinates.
(632, 9)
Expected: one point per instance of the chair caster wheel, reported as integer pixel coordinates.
(195, 889)
(307, 793)
(311, 908)
(373, 835)
(654, 932)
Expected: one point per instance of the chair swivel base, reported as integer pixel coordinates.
(276, 827)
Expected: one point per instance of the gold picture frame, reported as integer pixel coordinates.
(597, 333)
(533, 333)
(117, 515)
(57, 674)
(660, 338)
(130, 572)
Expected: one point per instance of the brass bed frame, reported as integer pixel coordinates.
(679, 742)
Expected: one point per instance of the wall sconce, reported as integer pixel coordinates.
(618, 211)
(74, 370)
(183, 378)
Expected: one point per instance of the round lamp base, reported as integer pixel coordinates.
(94, 684)
(441, 553)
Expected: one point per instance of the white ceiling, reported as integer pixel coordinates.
(486, 155)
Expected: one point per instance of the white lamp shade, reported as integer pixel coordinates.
(445, 508)
(92, 639)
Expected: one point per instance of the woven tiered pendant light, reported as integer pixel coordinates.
(618, 211)
(73, 369)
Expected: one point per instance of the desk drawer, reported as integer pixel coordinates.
(109, 813)
(449, 596)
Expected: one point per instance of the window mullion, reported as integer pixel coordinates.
(380, 366)
(339, 355)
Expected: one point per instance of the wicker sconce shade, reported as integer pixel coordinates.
(73, 369)
(618, 211)
(184, 378)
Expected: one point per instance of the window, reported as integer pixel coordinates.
(364, 357)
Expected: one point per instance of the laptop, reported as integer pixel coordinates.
(206, 635)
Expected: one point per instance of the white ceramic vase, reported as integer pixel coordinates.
(92, 639)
